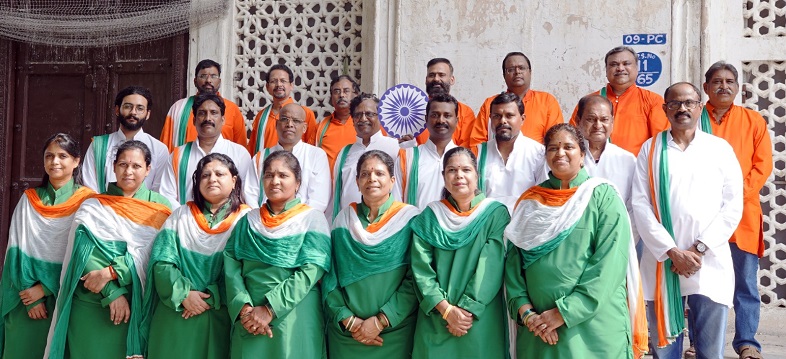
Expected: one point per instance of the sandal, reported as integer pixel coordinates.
(690, 353)
(749, 352)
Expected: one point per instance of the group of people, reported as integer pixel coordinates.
(311, 240)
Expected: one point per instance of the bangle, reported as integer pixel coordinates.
(447, 311)
(377, 324)
(526, 319)
(351, 323)
(383, 319)
(112, 273)
(269, 311)
(525, 314)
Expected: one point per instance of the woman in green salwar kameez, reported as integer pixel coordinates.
(185, 300)
(273, 261)
(457, 261)
(36, 246)
(370, 300)
(567, 260)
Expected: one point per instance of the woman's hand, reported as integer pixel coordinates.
(37, 312)
(97, 279)
(544, 325)
(195, 304)
(368, 332)
(119, 311)
(459, 321)
(32, 294)
(257, 320)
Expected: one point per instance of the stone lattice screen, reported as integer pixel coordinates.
(318, 40)
(764, 18)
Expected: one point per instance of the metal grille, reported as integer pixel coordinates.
(764, 18)
(319, 40)
(765, 91)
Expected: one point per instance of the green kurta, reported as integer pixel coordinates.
(391, 293)
(469, 277)
(291, 291)
(584, 277)
(24, 337)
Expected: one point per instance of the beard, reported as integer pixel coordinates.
(131, 126)
(432, 90)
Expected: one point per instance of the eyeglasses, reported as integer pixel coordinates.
(129, 107)
(338, 92)
(287, 120)
(367, 114)
(514, 69)
(212, 77)
(676, 105)
(277, 81)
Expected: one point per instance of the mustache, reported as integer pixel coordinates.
(207, 123)
(503, 127)
(723, 91)
(682, 113)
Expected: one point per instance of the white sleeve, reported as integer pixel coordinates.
(654, 235)
(319, 189)
(89, 169)
(168, 187)
(725, 222)
(250, 181)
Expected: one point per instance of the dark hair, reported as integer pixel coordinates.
(619, 49)
(668, 89)
(591, 99)
(572, 130)
(355, 85)
(236, 197)
(455, 151)
(206, 64)
(442, 97)
(515, 53)
(720, 65)
(289, 159)
(201, 98)
(68, 144)
(360, 98)
(134, 90)
(134, 144)
(280, 67)
(382, 156)
(440, 60)
(508, 97)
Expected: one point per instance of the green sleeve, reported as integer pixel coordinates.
(237, 294)
(428, 290)
(336, 308)
(403, 302)
(287, 295)
(606, 268)
(47, 292)
(172, 287)
(515, 284)
(112, 290)
(486, 283)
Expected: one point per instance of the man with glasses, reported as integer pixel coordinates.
(279, 84)
(178, 127)
(687, 201)
(541, 108)
(637, 112)
(314, 187)
(337, 130)
(132, 109)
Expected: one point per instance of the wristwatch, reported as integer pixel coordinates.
(701, 247)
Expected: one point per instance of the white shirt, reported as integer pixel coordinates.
(429, 182)
(525, 168)
(239, 155)
(616, 165)
(349, 190)
(158, 151)
(314, 172)
(705, 195)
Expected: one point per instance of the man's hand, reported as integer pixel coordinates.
(684, 262)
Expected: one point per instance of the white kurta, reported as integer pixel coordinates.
(159, 154)
(616, 165)
(705, 195)
(349, 191)
(314, 171)
(525, 168)
(429, 182)
(239, 155)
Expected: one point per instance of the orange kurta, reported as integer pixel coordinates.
(270, 134)
(466, 119)
(540, 108)
(638, 115)
(234, 126)
(332, 136)
(746, 131)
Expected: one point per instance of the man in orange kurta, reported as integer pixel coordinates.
(638, 113)
(279, 84)
(746, 131)
(439, 79)
(541, 108)
(179, 124)
(337, 130)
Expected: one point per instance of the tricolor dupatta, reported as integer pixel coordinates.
(260, 139)
(100, 223)
(668, 297)
(706, 122)
(181, 132)
(544, 217)
(443, 227)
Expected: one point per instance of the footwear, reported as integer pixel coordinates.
(690, 353)
(749, 352)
